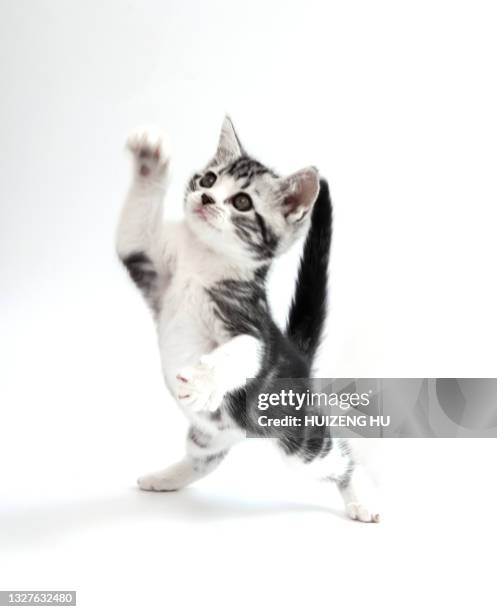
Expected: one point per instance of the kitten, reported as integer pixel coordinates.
(205, 282)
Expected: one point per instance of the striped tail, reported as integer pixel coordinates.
(309, 305)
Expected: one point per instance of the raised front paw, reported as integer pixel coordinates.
(199, 387)
(149, 151)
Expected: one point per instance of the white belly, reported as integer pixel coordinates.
(187, 328)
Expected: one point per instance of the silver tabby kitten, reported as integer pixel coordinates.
(205, 281)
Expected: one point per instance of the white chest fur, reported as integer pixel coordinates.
(187, 325)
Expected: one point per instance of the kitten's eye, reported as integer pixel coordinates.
(242, 202)
(208, 180)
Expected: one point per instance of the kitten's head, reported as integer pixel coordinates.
(242, 209)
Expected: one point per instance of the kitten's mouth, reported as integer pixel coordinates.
(206, 214)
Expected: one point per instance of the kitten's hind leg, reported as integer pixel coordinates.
(181, 474)
(204, 452)
(331, 460)
(358, 497)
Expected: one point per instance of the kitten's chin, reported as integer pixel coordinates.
(203, 230)
(217, 242)
(204, 216)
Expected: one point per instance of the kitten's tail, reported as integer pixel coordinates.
(308, 309)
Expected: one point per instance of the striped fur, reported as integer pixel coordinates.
(205, 280)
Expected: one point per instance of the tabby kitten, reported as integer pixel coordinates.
(205, 281)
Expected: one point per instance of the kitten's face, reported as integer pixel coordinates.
(242, 209)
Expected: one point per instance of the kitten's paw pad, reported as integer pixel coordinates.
(197, 387)
(149, 149)
(360, 512)
(157, 482)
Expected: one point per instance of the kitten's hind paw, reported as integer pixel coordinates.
(360, 512)
(172, 478)
(155, 482)
(148, 146)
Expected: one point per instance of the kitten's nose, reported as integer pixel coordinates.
(206, 199)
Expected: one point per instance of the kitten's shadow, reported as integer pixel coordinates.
(40, 524)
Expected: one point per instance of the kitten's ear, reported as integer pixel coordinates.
(298, 193)
(229, 147)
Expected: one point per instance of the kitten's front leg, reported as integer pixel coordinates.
(140, 225)
(226, 368)
(145, 244)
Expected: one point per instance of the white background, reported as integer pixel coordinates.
(395, 103)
